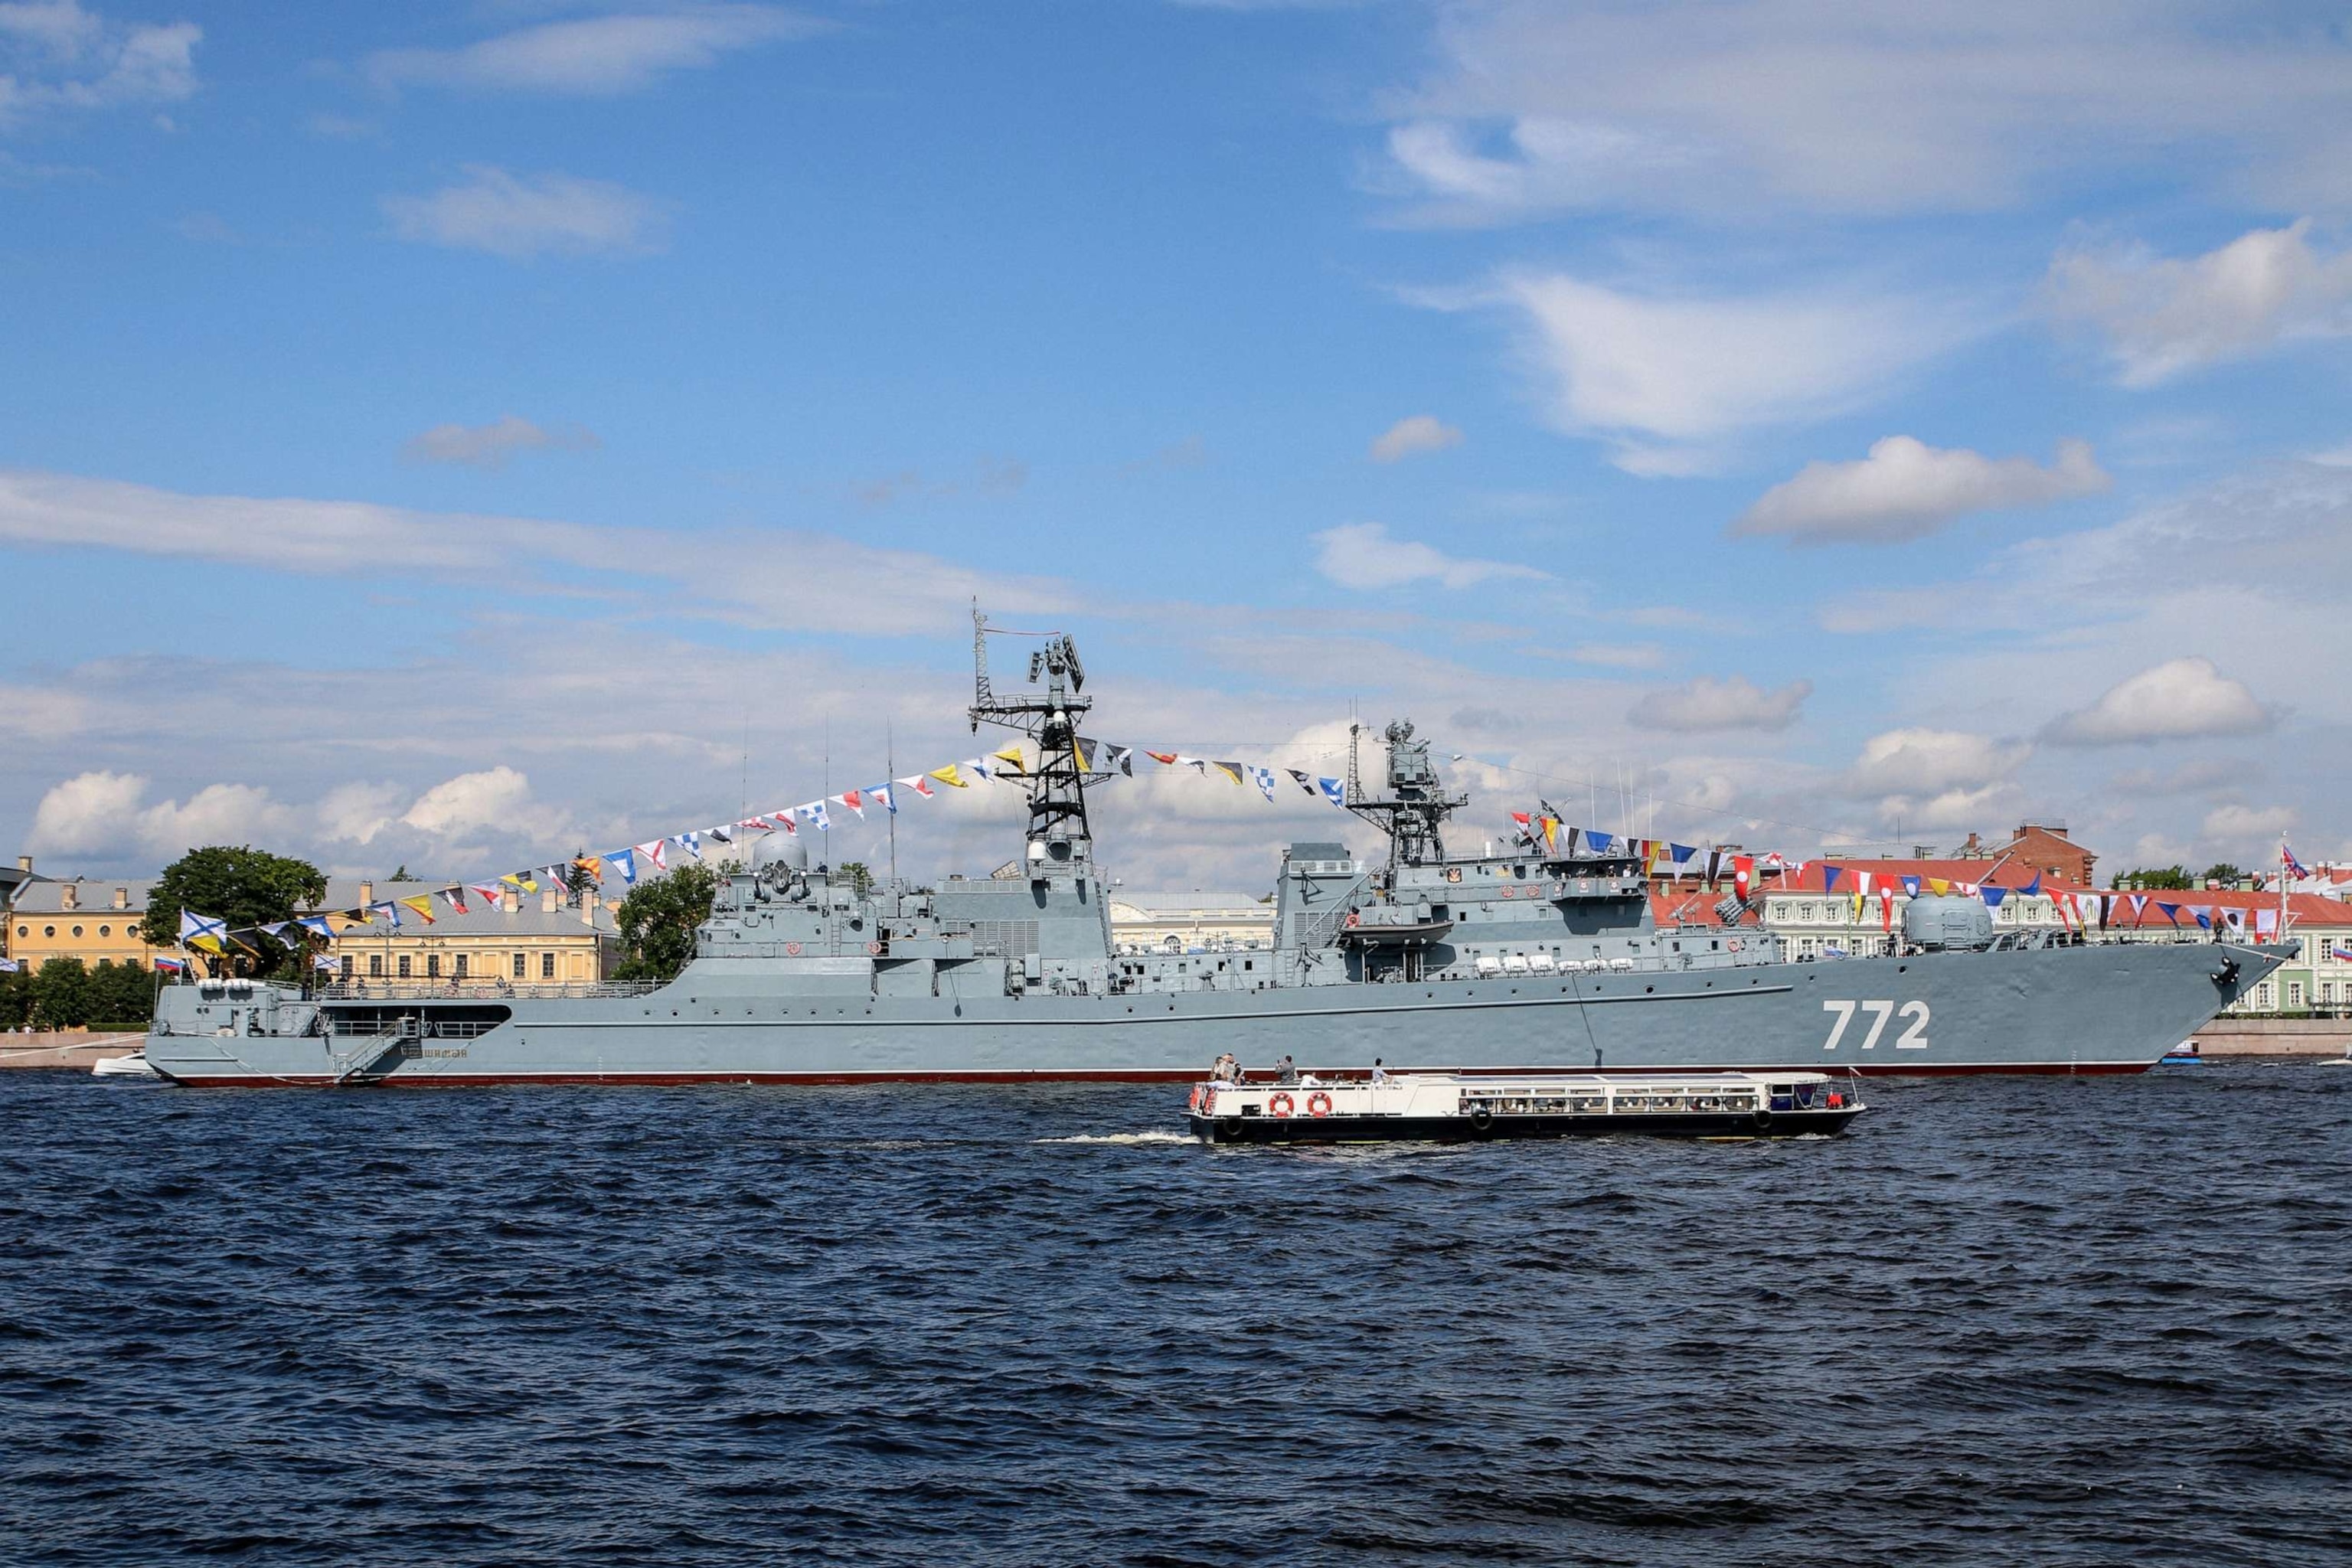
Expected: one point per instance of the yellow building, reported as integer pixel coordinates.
(1180, 922)
(527, 940)
(96, 922)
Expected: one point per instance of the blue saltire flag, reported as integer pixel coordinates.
(1333, 791)
(626, 863)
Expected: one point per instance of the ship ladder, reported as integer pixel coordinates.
(370, 1050)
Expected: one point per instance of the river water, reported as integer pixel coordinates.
(2002, 1319)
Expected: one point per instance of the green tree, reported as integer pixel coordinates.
(2222, 872)
(658, 920)
(16, 999)
(243, 886)
(121, 993)
(62, 994)
(2155, 879)
(855, 873)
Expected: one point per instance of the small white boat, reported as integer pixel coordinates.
(132, 1065)
(1457, 1106)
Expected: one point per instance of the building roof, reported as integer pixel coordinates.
(1165, 905)
(1889, 872)
(1687, 908)
(2302, 908)
(528, 919)
(44, 896)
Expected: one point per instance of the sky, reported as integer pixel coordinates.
(451, 435)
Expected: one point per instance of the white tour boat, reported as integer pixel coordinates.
(1462, 1107)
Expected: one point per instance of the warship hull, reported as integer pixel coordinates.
(2063, 1009)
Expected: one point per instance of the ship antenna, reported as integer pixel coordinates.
(890, 766)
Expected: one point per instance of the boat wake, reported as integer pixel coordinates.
(1121, 1138)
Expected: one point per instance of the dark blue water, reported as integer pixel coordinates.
(2020, 1321)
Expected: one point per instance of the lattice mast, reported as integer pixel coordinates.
(1414, 812)
(1058, 830)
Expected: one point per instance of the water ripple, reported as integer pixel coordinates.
(2045, 1322)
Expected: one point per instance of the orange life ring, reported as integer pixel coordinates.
(874, 950)
(1318, 1104)
(1355, 918)
(792, 950)
(1280, 1105)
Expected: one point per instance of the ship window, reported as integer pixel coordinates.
(403, 966)
(1249, 964)
(375, 966)
(518, 965)
(547, 966)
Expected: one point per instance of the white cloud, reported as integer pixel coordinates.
(2163, 317)
(1905, 488)
(531, 215)
(1921, 760)
(1669, 380)
(810, 581)
(2177, 699)
(490, 446)
(1619, 655)
(1364, 555)
(499, 796)
(1417, 432)
(86, 813)
(2240, 826)
(54, 54)
(1934, 106)
(1707, 703)
(595, 55)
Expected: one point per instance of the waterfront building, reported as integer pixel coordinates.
(95, 921)
(1180, 922)
(2036, 847)
(539, 939)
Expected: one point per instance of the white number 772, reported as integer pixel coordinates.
(1914, 1038)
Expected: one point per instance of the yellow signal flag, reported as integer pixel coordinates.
(421, 906)
(1938, 886)
(521, 879)
(1011, 758)
(948, 776)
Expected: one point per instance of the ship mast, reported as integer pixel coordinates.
(1059, 832)
(1414, 812)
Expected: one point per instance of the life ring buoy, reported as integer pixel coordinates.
(1508, 893)
(1355, 918)
(792, 950)
(1763, 1119)
(1734, 944)
(1280, 1105)
(874, 950)
(1482, 1121)
(1318, 1104)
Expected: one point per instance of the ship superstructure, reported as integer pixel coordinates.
(1524, 959)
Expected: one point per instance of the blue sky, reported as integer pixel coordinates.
(452, 434)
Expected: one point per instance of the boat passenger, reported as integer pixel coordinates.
(1286, 1072)
(1379, 1073)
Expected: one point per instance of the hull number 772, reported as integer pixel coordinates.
(1914, 1036)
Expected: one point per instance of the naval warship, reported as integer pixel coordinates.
(1531, 958)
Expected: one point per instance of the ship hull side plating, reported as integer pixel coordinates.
(2100, 1008)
